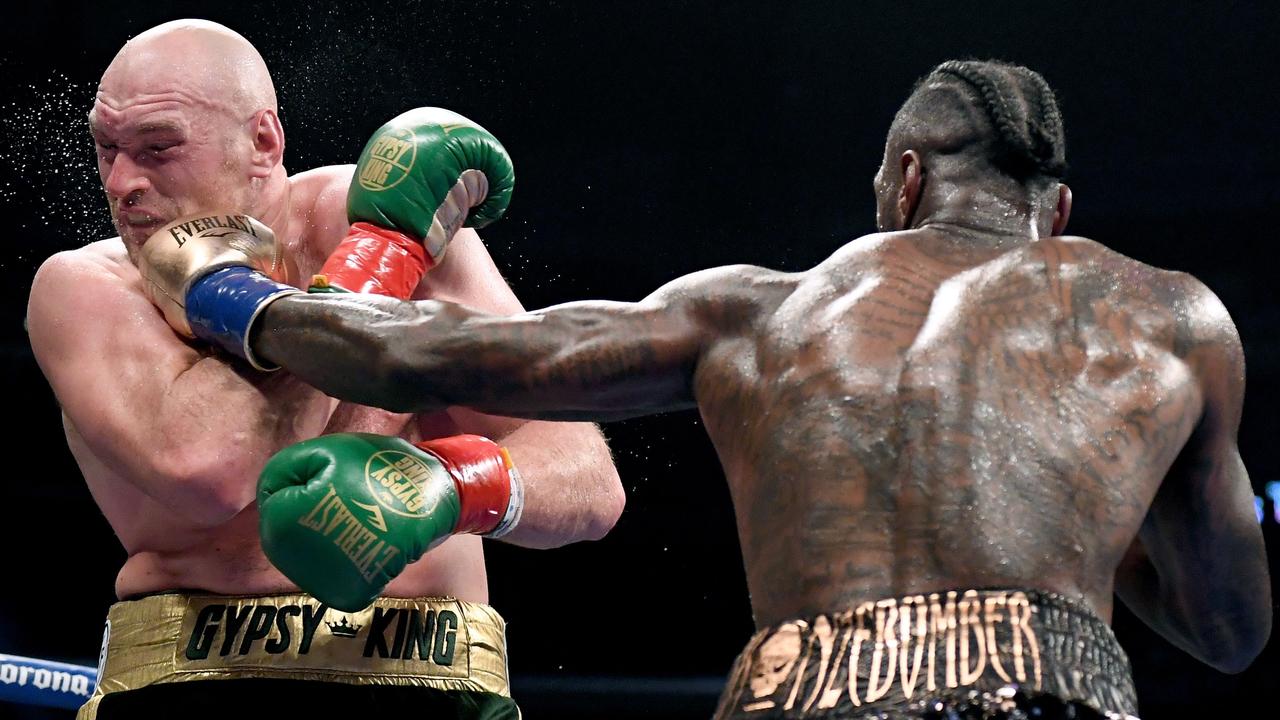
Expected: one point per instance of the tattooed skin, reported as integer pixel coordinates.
(917, 413)
(919, 420)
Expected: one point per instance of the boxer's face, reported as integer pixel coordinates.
(160, 160)
(168, 145)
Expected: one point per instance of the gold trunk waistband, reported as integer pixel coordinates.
(439, 643)
(897, 654)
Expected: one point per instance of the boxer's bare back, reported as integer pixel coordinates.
(929, 410)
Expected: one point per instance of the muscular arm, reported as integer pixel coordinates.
(187, 429)
(592, 360)
(1197, 573)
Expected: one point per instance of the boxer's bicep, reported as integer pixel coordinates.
(107, 354)
(184, 427)
(1230, 564)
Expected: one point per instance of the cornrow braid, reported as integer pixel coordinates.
(1046, 125)
(1029, 136)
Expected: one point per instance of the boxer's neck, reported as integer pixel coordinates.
(1002, 214)
(274, 208)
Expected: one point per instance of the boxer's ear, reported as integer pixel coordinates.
(912, 185)
(268, 143)
(1062, 212)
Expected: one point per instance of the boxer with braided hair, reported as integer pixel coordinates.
(949, 445)
(1021, 107)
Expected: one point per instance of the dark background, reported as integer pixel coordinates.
(652, 139)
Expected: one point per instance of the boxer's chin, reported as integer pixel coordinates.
(133, 238)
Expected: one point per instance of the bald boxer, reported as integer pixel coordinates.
(948, 445)
(171, 434)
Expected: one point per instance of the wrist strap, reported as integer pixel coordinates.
(515, 507)
(223, 305)
(372, 259)
(486, 482)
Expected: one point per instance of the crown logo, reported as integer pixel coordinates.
(343, 629)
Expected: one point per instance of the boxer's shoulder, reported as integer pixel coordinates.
(1203, 320)
(319, 203)
(74, 290)
(1171, 304)
(732, 284)
(321, 188)
(101, 260)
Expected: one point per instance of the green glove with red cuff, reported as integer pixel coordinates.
(421, 176)
(342, 515)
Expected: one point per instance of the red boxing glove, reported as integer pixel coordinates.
(371, 259)
(490, 493)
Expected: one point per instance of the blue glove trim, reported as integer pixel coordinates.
(223, 305)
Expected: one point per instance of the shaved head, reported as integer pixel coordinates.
(212, 64)
(185, 120)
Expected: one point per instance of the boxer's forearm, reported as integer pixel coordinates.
(343, 344)
(579, 361)
(1209, 634)
(1205, 590)
(216, 429)
(572, 490)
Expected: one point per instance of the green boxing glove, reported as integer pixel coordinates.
(428, 172)
(342, 515)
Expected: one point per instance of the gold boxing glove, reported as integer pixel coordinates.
(178, 254)
(189, 251)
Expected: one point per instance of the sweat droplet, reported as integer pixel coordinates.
(48, 161)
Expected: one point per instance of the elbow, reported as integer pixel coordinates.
(1230, 645)
(607, 509)
(610, 498)
(1236, 657)
(1234, 663)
